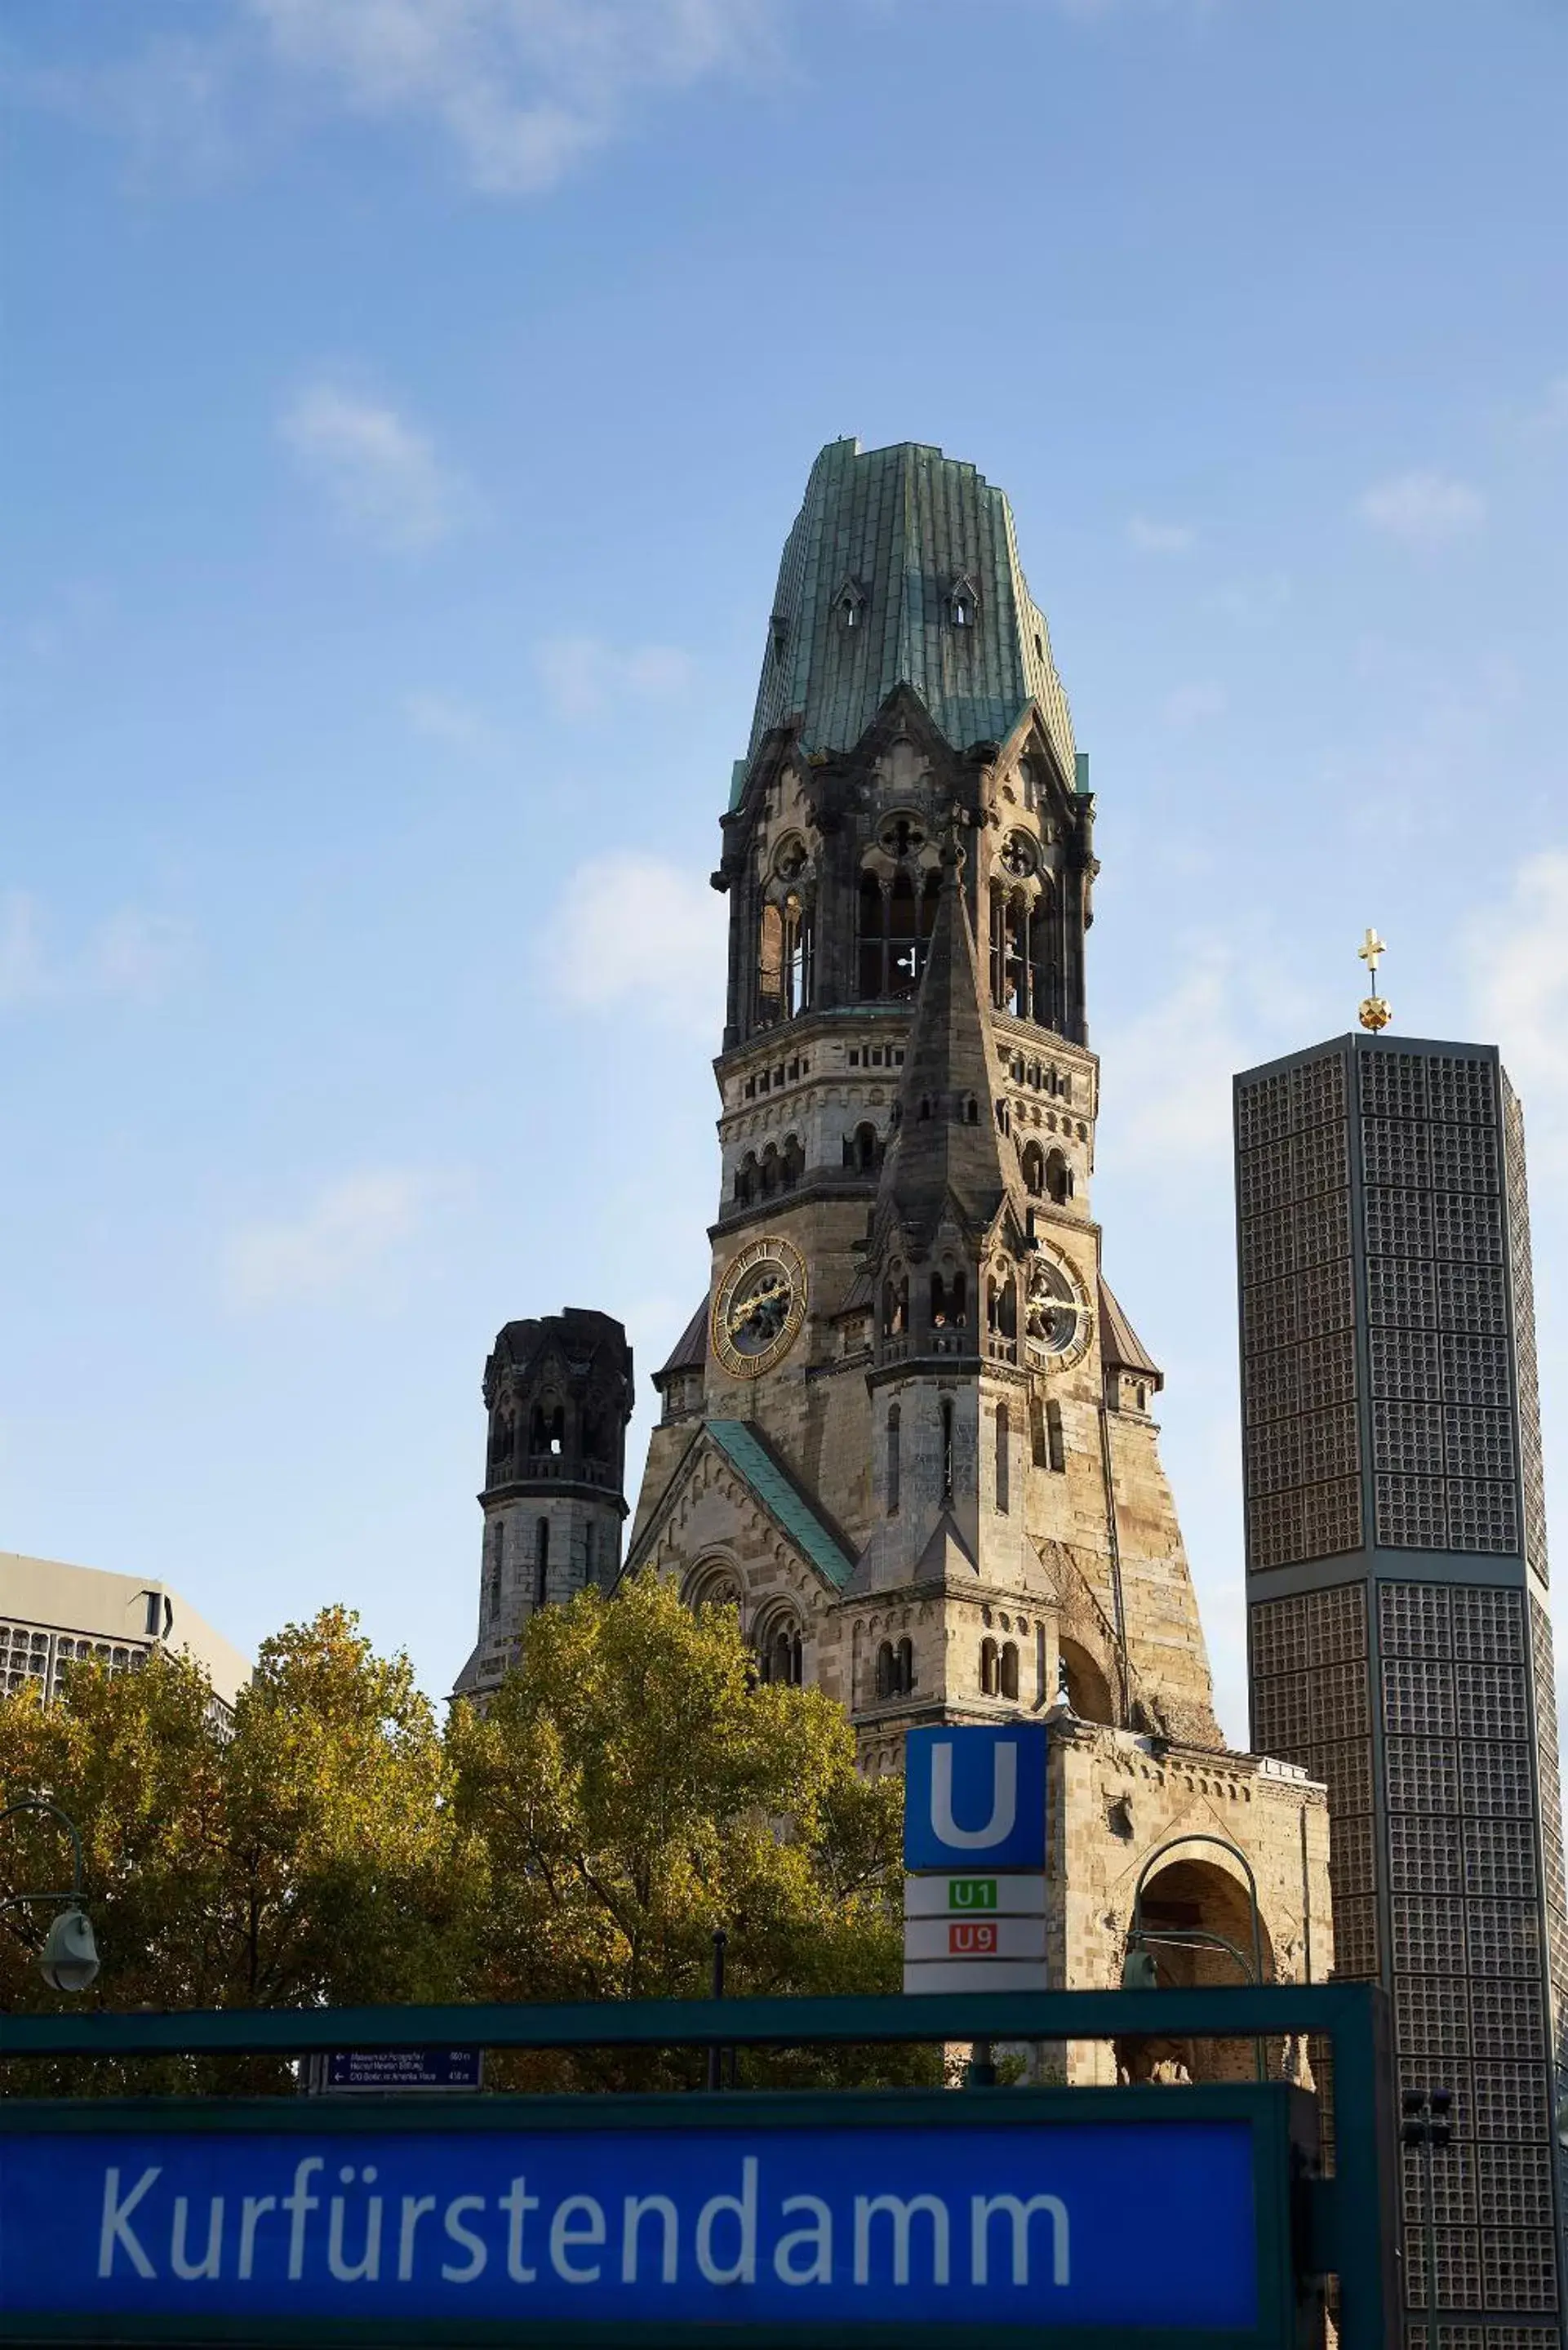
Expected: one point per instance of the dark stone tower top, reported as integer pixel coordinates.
(902, 569)
(559, 1393)
(945, 1154)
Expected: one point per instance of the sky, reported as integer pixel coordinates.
(402, 406)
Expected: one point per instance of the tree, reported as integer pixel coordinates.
(304, 1853)
(636, 1788)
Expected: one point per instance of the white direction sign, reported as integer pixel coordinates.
(975, 1974)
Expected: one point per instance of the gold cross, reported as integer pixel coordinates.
(1371, 949)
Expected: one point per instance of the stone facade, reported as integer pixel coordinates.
(558, 1393)
(909, 1431)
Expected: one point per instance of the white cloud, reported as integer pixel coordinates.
(379, 472)
(635, 929)
(1518, 959)
(1191, 705)
(1167, 1093)
(522, 88)
(445, 719)
(348, 1232)
(1150, 538)
(1253, 603)
(585, 678)
(1422, 509)
(132, 956)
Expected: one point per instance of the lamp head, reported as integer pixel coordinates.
(68, 1960)
(1138, 1970)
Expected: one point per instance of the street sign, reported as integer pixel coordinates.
(974, 1896)
(974, 1938)
(975, 1797)
(654, 2218)
(922, 1977)
(383, 2069)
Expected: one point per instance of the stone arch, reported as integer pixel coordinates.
(1084, 1684)
(714, 1582)
(1198, 1887)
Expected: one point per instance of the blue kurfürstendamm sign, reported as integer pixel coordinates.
(908, 2215)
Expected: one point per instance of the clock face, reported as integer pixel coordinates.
(1056, 1317)
(760, 1307)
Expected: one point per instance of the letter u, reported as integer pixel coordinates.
(1004, 1799)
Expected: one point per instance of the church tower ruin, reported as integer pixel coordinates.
(908, 1430)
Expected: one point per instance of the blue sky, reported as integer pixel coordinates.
(402, 406)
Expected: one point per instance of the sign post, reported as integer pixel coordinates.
(974, 1849)
(1179, 2219)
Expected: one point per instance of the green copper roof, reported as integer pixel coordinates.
(900, 529)
(782, 1498)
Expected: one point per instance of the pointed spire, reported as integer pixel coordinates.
(947, 1143)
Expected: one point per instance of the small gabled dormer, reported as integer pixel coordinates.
(963, 602)
(849, 605)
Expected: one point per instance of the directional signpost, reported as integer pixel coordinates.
(1089, 2219)
(974, 1846)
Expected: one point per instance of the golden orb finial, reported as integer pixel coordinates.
(1375, 1010)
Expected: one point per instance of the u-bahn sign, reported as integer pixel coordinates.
(929, 2214)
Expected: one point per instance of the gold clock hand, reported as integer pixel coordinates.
(744, 1313)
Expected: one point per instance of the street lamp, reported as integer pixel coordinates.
(69, 1958)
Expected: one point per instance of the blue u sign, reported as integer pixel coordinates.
(975, 1794)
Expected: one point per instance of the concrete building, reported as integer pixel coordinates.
(908, 1430)
(1400, 1648)
(53, 1615)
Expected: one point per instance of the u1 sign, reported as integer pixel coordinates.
(975, 1795)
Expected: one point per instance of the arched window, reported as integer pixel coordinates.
(1044, 963)
(548, 1433)
(1056, 1443)
(961, 604)
(1032, 1160)
(501, 1432)
(748, 1181)
(904, 1667)
(896, 1306)
(770, 1170)
(780, 1653)
(541, 1562)
(1002, 1308)
(886, 1669)
(988, 1668)
(896, 925)
(950, 1299)
(1010, 952)
(792, 1166)
(770, 965)
(862, 1151)
(893, 1462)
(1058, 1178)
(971, 1110)
(797, 949)
(497, 1560)
(946, 1416)
(1002, 1464)
(1007, 1672)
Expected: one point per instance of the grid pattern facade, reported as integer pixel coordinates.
(1424, 1700)
(30, 1653)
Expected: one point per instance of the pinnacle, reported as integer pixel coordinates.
(947, 1145)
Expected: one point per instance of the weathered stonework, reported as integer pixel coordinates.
(944, 1502)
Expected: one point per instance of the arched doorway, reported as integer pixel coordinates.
(1189, 1895)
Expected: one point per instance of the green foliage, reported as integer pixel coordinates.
(306, 1852)
(637, 1789)
(630, 1789)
